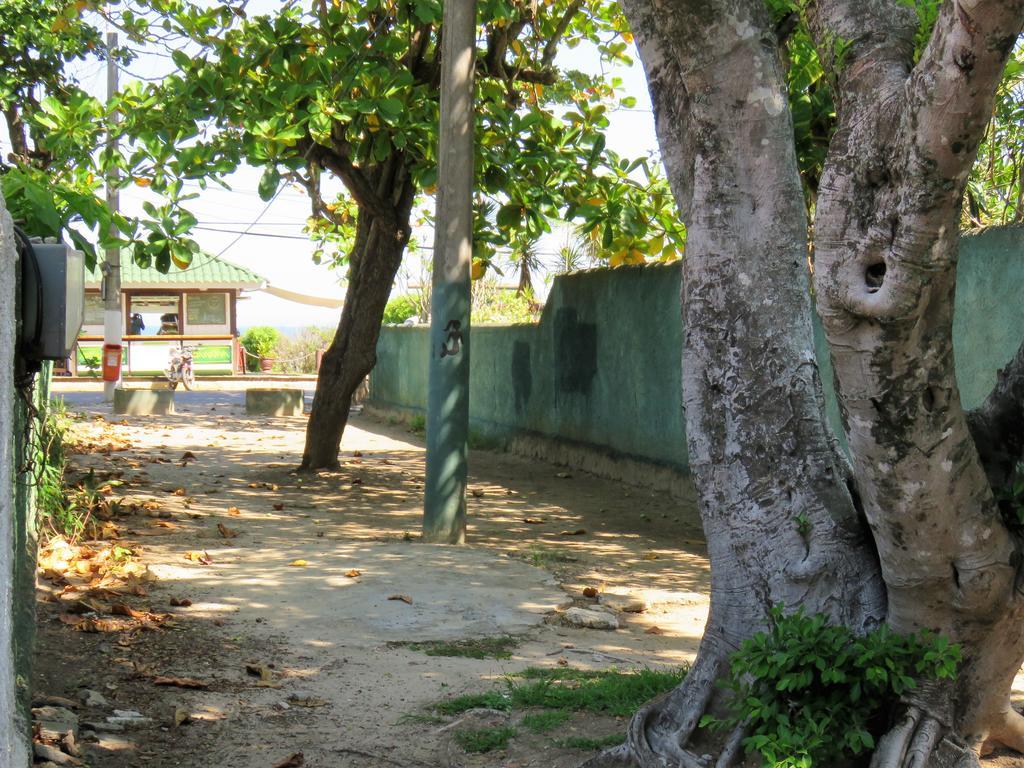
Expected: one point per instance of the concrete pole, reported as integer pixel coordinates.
(14, 732)
(113, 318)
(444, 512)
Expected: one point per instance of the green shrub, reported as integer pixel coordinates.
(813, 694)
(260, 342)
(400, 309)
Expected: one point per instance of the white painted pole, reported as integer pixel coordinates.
(113, 317)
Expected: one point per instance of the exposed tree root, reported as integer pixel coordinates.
(1008, 732)
(658, 732)
(921, 741)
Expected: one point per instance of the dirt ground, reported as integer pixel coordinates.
(296, 596)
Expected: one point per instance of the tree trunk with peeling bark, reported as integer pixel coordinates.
(908, 533)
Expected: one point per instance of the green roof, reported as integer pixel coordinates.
(206, 271)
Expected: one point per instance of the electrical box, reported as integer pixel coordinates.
(53, 300)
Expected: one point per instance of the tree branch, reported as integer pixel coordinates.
(867, 45)
(551, 47)
(952, 88)
(997, 425)
(358, 185)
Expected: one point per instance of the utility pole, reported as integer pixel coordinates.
(113, 319)
(444, 511)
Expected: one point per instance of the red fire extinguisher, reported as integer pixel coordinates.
(111, 362)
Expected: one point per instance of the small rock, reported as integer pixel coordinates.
(585, 618)
(54, 722)
(104, 727)
(54, 755)
(92, 698)
(624, 603)
(128, 718)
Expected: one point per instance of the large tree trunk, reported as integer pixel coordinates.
(762, 457)
(775, 500)
(887, 233)
(375, 259)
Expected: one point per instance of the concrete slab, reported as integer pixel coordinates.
(278, 401)
(143, 402)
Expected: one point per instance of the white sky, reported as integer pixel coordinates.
(276, 247)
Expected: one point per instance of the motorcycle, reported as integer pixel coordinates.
(179, 368)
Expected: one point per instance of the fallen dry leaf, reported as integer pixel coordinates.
(650, 556)
(180, 602)
(298, 563)
(181, 682)
(534, 520)
(226, 532)
(199, 557)
(563, 475)
(577, 532)
(353, 573)
(292, 761)
(404, 598)
(179, 492)
(477, 493)
(654, 631)
(164, 524)
(234, 511)
(278, 507)
(181, 716)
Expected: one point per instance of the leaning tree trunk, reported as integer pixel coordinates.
(775, 499)
(887, 229)
(375, 259)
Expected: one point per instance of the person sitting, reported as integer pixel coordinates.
(137, 325)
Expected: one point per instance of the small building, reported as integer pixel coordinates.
(194, 307)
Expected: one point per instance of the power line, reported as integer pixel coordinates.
(252, 234)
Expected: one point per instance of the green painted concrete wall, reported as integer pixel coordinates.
(603, 366)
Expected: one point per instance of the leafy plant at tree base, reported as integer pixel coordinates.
(814, 694)
(260, 342)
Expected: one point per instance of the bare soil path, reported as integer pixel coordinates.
(303, 593)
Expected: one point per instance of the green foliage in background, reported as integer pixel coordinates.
(53, 178)
(400, 309)
(297, 354)
(259, 342)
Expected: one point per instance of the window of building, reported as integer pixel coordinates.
(154, 315)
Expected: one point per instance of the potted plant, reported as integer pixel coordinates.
(259, 343)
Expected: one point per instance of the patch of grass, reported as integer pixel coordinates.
(589, 745)
(473, 648)
(542, 722)
(543, 557)
(486, 700)
(609, 692)
(485, 739)
(418, 423)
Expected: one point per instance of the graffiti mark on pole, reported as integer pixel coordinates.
(451, 345)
